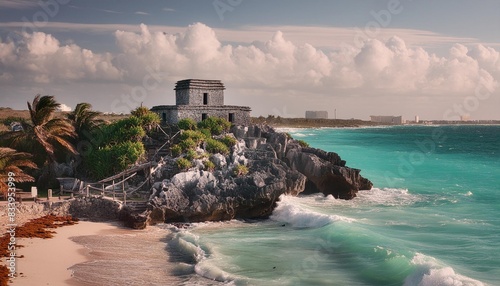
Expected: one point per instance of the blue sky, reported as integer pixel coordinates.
(435, 59)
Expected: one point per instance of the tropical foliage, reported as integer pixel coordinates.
(45, 136)
(215, 146)
(84, 120)
(216, 125)
(187, 124)
(15, 163)
(147, 118)
(114, 158)
(117, 149)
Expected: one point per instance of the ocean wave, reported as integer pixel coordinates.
(190, 252)
(430, 272)
(290, 130)
(389, 197)
(187, 246)
(212, 272)
(300, 217)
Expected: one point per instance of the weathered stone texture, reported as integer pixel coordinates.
(198, 99)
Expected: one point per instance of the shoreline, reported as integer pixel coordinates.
(48, 261)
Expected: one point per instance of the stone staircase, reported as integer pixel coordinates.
(137, 207)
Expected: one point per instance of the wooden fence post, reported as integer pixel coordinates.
(88, 192)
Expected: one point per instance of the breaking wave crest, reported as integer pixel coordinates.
(430, 272)
(300, 217)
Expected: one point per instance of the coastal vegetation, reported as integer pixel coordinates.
(94, 146)
(14, 162)
(45, 137)
(80, 140)
(209, 134)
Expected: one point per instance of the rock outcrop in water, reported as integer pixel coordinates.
(276, 165)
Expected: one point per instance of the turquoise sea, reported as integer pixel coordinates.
(432, 218)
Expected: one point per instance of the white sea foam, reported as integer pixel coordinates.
(389, 197)
(212, 272)
(295, 215)
(289, 130)
(431, 272)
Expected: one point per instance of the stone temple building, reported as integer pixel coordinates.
(198, 99)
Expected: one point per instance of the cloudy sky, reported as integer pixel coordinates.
(435, 59)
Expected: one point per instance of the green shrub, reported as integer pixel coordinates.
(129, 129)
(206, 132)
(191, 154)
(240, 170)
(216, 125)
(209, 165)
(112, 159)
(188, 144)
(149, 120)
(214, 146)
(229, 141)
(176, 150)
(140, 111)
(303, 143)
(183, 164)
(187, 124)
(197, 136)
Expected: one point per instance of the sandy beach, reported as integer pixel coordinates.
(47, 261)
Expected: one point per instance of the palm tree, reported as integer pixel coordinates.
(44, 136)
(12, 162)
(86, 123)
(84, 120)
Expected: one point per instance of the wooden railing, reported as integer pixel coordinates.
(113, 187)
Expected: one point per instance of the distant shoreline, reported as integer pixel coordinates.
(280, 122)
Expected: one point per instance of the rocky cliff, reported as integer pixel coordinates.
(276, 164)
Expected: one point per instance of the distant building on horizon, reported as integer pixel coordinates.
(316, 114)
(199, 99)
(397, 120)
(417, 119)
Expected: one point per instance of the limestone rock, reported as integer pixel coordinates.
(276, 165)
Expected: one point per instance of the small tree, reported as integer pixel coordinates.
(147, 118)
(44, 137)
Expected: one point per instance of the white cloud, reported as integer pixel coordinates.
(141, 13)
(63, 107)
(389, 66)
(166, 9)
(278, 67)
(41, 58)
